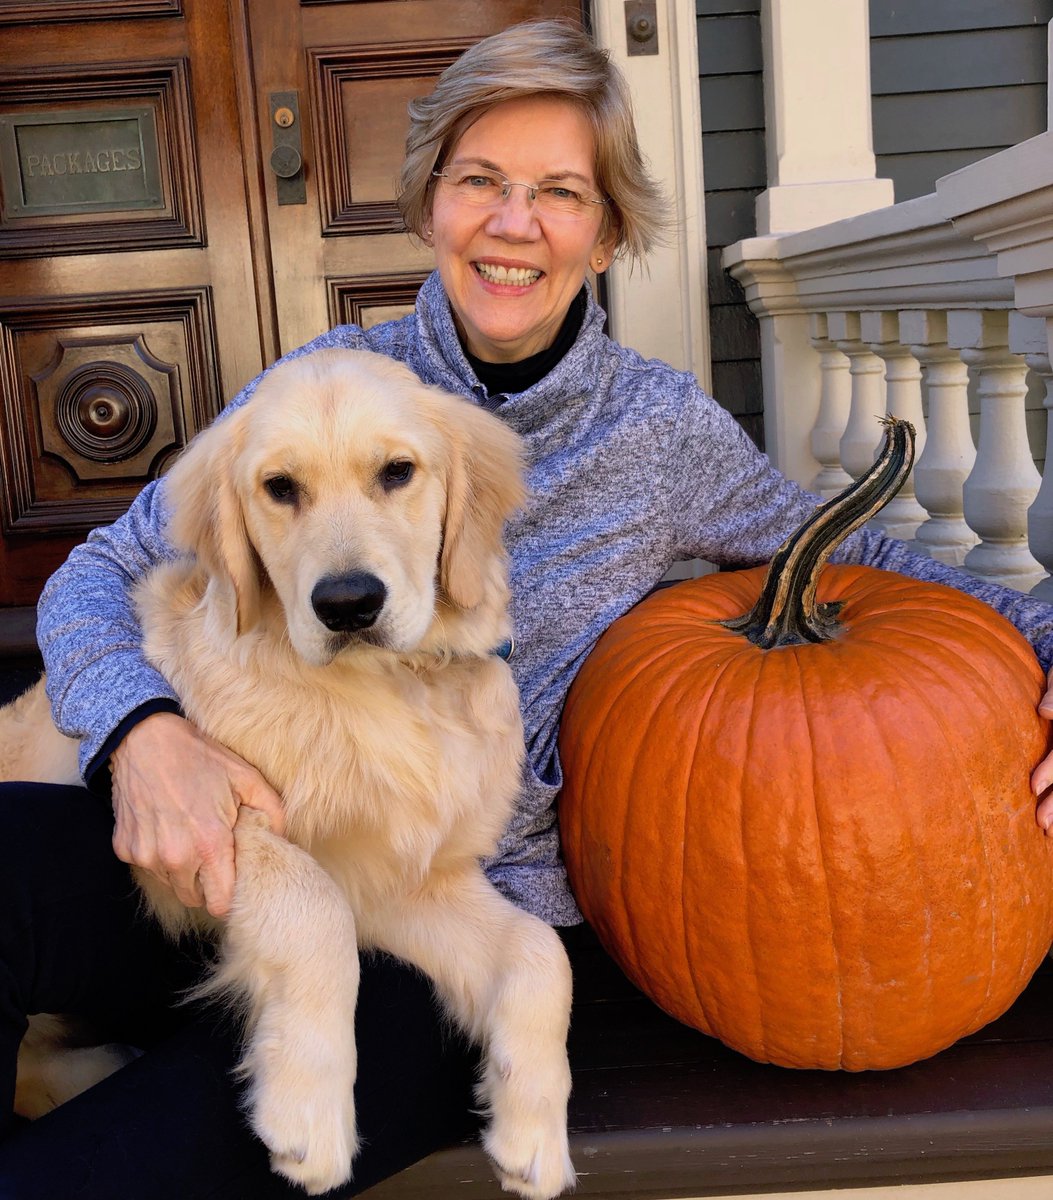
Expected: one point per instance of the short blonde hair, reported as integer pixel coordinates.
(551, 58)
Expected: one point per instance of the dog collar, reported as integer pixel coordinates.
(506, 649)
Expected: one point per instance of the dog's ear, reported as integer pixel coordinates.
(484, 486)
(206, 519)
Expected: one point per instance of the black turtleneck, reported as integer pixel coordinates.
(509, 379)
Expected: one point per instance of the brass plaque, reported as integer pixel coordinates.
(79, 162)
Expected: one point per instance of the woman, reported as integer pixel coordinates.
(523, 174)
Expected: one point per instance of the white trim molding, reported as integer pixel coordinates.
(661, 310)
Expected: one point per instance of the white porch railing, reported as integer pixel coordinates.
(911, 309)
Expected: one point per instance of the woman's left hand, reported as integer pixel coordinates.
(1042, 775)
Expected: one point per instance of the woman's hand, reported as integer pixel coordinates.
(176, 795)
(1042, 776)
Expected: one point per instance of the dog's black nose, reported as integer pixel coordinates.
(346, 603)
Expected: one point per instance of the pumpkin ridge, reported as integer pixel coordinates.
(651, 677)
(1028, 692)
(904, 596)
(699, 978)
(868, 1033)
(760, 1033)
(988, 873)
(975, 617)
(994, 700)
(756, 1008)
(817, 783)
(685, 683)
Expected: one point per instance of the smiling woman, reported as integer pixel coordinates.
(524, 173)
(511, 266)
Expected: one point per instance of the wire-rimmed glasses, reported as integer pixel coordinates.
(487, 189)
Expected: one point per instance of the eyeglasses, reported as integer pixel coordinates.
(485, 189)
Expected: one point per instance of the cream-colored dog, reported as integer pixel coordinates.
(334, 621)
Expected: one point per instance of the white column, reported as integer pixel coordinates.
(1027, 336)
(1004, 481)
(835, 403)
(949, 454)
(662, 309)
(789, 364)
(862, 435)
(902, 516)
(817, 109)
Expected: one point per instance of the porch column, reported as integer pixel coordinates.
(817, 109)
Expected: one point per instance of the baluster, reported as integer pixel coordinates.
(862, 434)
(1003, 482)
(944, 465)
(902, 516)
(1027, 336)
(835, 401)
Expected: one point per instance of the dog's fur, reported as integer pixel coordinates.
(396, 749)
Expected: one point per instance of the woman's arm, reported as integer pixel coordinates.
(88, 632)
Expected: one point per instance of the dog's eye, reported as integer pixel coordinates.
(396, 474)
(282, 488)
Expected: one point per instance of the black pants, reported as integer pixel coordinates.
(168, 1127)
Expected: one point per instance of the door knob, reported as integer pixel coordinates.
(286, 161)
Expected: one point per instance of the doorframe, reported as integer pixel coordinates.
(662, 309)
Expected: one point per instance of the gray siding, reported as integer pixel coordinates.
(952, 82)
(732, 95)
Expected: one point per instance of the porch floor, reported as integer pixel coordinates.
(661, 1111)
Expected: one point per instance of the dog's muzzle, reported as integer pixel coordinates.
(348, 603)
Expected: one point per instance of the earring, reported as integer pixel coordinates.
(599, 262)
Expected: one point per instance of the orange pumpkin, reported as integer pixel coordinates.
(823, 852)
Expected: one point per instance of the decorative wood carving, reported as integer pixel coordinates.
(368, 300)
(336, 75)
(19, 12)
(161, 86)
(100, 393)
(105, 407)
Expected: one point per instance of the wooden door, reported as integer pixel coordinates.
(155, 250)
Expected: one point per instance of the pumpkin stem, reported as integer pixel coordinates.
(786, 613)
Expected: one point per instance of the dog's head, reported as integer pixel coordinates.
(371, 504)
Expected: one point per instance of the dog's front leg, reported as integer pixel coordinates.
(289, 949)
(505, 978)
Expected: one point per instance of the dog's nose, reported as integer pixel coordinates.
(346, 603)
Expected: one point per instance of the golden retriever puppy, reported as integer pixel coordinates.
(334, 620)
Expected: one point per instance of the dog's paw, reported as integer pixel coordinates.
(305, 1118)
(312, 1143)
(531, 1159)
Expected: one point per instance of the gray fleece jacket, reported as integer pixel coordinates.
(631, 468)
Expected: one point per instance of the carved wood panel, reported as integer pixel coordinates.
(133, 279)
(98, 158)
(360, 96)
(15, 12)
(103, 391)
(369, 300)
